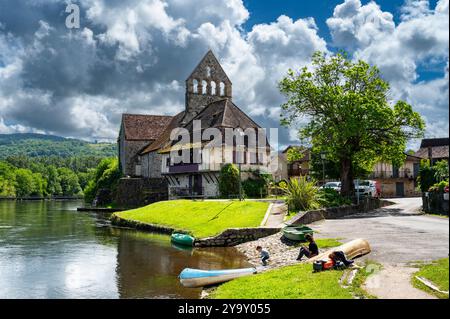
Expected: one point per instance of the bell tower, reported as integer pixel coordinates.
(206, 84)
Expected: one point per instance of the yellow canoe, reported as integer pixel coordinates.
(352, 249)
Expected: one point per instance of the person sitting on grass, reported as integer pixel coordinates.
(264, 255)
(339, 257)
(310, 251)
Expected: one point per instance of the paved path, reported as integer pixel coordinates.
(276, 216)
(394, 282)
(398, 234)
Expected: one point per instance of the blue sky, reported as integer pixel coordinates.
(132, 56)
(264, 11)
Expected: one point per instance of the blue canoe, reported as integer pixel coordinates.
(193, 278)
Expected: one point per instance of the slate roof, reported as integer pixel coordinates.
(144, 127)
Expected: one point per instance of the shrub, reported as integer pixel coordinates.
(229, 180)
(329, 197)
(439, 187)
(427, 176)
(301, 194)
(441, 171)
(107, 175)
(256, 185)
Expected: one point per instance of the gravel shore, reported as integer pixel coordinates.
(282, 253)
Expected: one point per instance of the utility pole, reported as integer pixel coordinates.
(240, 182)
(323, 156)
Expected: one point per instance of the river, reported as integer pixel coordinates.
(49, 250)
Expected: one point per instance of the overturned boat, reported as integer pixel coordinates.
(297, 233)
(193, 278)
(353, 249)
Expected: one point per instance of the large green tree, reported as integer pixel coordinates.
(68, 181)
(348, 113)
(24, 182)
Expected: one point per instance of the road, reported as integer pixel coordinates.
(398, 235)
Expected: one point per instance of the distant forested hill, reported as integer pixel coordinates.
(39, 145)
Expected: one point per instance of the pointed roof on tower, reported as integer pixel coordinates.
(209, 60)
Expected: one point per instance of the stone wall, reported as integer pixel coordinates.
(116, 220)
(236, 236)
(389, 187)
(131, 156)
(203, 86)
(137, 192)
(309, 217)
(230, 237)
(210, 185)
(151, 165)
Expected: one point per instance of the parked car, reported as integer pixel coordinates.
(367, 188)
(333, 185)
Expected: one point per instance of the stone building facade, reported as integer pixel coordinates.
(136, 132)
(208, 99)
(398, 181)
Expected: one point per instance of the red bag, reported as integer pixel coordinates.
(329, 264)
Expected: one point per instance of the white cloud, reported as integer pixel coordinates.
(354, 25)
(400, 50)
(136, 54)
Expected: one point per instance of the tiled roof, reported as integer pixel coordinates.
(437, 152)
(144, 127)
(220, 114)
(427, 142)
(164, 137)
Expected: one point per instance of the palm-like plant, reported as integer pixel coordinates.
(301, 194)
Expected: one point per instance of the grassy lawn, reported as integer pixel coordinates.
(200, 218)
(328, 242)
(292, 282)
(437, 272)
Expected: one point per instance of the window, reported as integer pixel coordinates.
(204, 87)
(222, 89)
(195, 86)
(208, 72)
(213, 88)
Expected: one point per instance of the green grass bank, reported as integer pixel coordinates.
(438, 273)
(292, 282)
(200, 218)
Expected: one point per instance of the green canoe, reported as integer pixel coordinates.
(183, 239)
(296, 233)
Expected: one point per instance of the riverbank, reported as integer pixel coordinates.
(282, 252)
(68, 198)
(201, 219)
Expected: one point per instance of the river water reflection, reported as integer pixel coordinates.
(49, 250)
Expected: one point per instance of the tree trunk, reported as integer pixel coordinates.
(347, 185)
